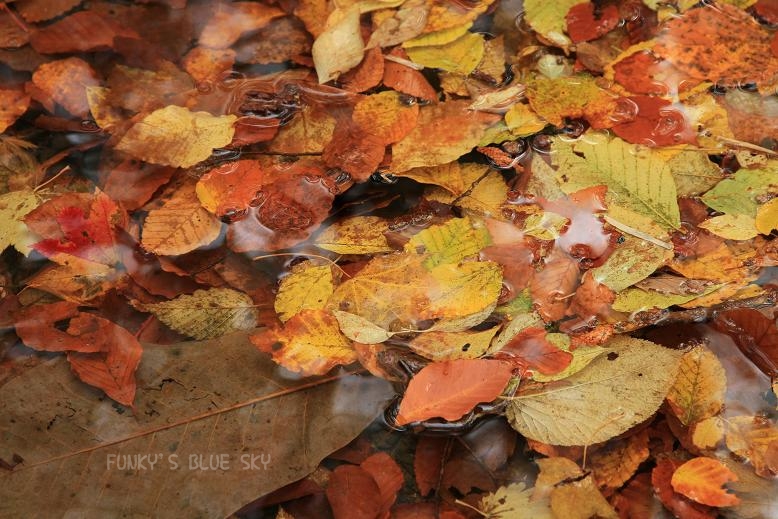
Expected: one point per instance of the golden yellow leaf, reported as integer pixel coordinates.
(722, 265)
(440, 346)
(576, 96)
(731, 226)
(310, 343)
(385, 116)
(440, 37)
(707, 434)
(698, 391)
(571, 495)
(460, 56)
(449, 242)
(308, 132)
(637, 299)
(767, 217)
(13, 232)
(306, 287)
(618, 461)
(104, 114)
(180, 225)
(174, 136)
(355, 235)
(548, 19)
(339, 48)
(694, 172)
(445, 15)
(522, 121)
(513, 501)
(484, 193)
(206, 314)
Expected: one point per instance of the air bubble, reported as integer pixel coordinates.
(541, 144)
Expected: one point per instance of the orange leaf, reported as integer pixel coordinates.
(42, 10)
(529, 350)
(407, 80)
(592, 298)
(386, 116)
(35, 326)
(63, 82)
(353, 493)
(551, 286)
(755, 334)
(450, 389)
(696, 42)
(701, 479)
(645, 73)
(205, 64)
(367, 74)
(230, 187)
(387, 475)
(13, 103)
(679, 505)
(585, 23)
(354, 151)
(231, 20)
(656, 123)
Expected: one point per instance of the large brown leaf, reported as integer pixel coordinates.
(200, 399)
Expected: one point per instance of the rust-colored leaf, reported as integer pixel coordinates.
(428, 462)
(452, 388)
(386, 116)
(405, 79)
(679, 505)
(64, 82)
(387, 474)
(754, 334)
(84, 31)
(552, 286)
(657, 122)
(229, 188)
(231, 20)
(529, 350)
(586, 22)
(355, 151)
(353, 493)
(13, 103)
(367, 74)
(645, 73)
(41, 10)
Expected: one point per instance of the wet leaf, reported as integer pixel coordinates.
(306, 287)
(230, 187)
(637, 300)
(403, 78)
(308, 132)
(522, 121)
(206, 314)
(387, 474)
(406, 23)
(693, 172)
(619, 460)
(452, 388)
(367, 74)
(231, 20)
(64, 82)
(737, 195)
(767, 217)
(13, 103)
(585, 23)
(41, 10)
(731, 226)
(657, 122)
(613, 393)
(174, 136)
(460, 56)
(552, 286)
(180, 225)
(449, 242)
(529, 350)
(353, 493)
(698, 392)
(218, 384)
(355, 235)
(507, 501)
(676, 503)
(482, 190)
(385, 116)
(339, 48)
(14, 206)
(548, 19)
(755, 334)
(578, 96)
(83, 31)
(440, 346)
(310, 343)
(701, 479)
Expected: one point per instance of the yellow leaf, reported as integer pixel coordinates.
(104, 114)
(464, 295)
(514, 501)
(637, 178)
(174, 136)
(340, 47)
(749, 437)
(360, 329)
(310, 343)
(522, 121)
(308, 132)
(454, 177)
(737, 195)
(445, 15)
(13, 232)
(767, 217)
(437, 38)
(574, 96)
(440, 346)
(612, 394)
(693, 171)
(449, 242)
(548, 19)
(76, 279)
(306, 287)
(707, 434)
(207, 314)
(485, 191)
(545, 225)
(731, 226)
(404, 24)
(701, 479)
(571, 494)
(722, 265)
(460, 56)
(637, 299)
(181, 225)
(698, 391)
(355, 235)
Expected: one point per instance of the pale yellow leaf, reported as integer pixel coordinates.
(694, 172)
(522, 121)
(13, 232)
(174, 136)
(449, 242)
(440, 346)
(767, 217)
(636, 299)
(731, 226)
(340, 47)
(360, 329)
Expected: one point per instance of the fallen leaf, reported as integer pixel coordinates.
(507, 501)
(452, 388)
(13, 104)
(440, 346)
(552, 286)
(401, 77)
(638, 300)
(367, 74)
(585, 22)
(737, 195)
(449, 242)
(755, 334)
(387, 474)
(339, 48)
(642, 72)
(615, 464)
(355, 235)
(285, 39)
(613, 393)
(353, 493)
(206, 314)
(354, 151)
(83, 31)
(41, 10)
(386, 116)
(698, 392)
(231, 20)
(548, 19)
(572, 97)
(210, 390)
(205, 64)
(14, 206)
(310, 343)
(657, 122)
(460, 56)
(731, 226)
(174, 136)
(701, 479)
(230, 187)
(767, 217)
(530, 350)
(679, 505)
(305, 287)
(64, 82)
(406, 23)
(308, 132)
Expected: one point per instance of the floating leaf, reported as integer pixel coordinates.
(359, 329)
(207, 314)
(440, 346)
(385, 116)
(174, 136)
(657, 122)
(352, 492)
(637, 300)
(310, 343)
(452, 388)
(522, 121)
(579, 96)
(619, 460)
(450, 242)
(701, 479)
(694, 172)
(767, 217)
(698, 392)
(402, 77)
(230, 187)
(636, 178)
(737, 195)
(585, 22)
(64, 82)
(180, 225)
(548, 19)
(306, 287)
(552, 286)
(612, 394)
(339, 47)
(679, 505)
(530, 350)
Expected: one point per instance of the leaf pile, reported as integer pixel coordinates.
(479, 206)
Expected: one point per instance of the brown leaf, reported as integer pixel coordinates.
(754, 334)
(12, 34)
(284, 39)
(592, 299)
(636, 500)
(585, 22)
(452, 388)
(41, 10)
(387, 474)
(407, 80)
(354, 151)
(551, 286)
(13, 103)
(231, 20)
(428, 462)
(353, 493)
(367, 74)
(529, 350)
(64, 82)
(84, 31)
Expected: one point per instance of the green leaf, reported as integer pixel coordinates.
(637, 178)
(737, 195)
(207, 314)
(693, 172)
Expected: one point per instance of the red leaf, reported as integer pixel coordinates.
(428, 462)
(767, 10)
(529, 350)
(584, 236)
(679, 505)
(754, 334)
(353, 493)
(387, 475)
(551, 286)
(656, 123)
(35, 327)
(112, 370)
(450, 389)
(80, 225)
(132, 183)
(584, 23)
